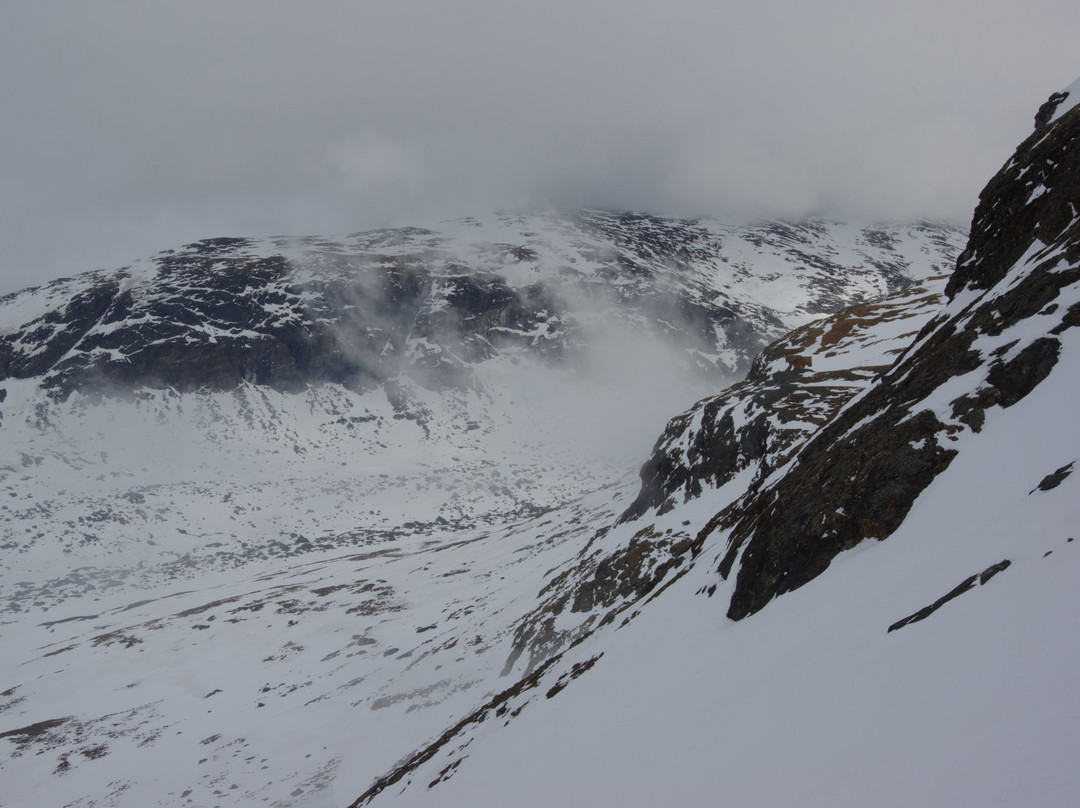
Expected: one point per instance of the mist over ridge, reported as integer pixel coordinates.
(410, 380)
(137, 127)
(379, 489)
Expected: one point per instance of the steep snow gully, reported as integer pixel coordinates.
(355, 521)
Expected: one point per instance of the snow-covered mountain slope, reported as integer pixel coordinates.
(933, 663)
(240, 400)
(813, 701)
(795, 385)
(355, 487)
(190, 685)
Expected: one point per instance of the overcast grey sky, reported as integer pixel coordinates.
(130, 127)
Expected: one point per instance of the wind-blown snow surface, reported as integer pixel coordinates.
(812, 702)
(265, 684)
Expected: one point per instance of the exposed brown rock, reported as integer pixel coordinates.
(858, 477)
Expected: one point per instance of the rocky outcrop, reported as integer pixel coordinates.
(740, 436)
(358, 311)
(599, 585)
(1012, 299)
(795, 386)
(213, 316)
(1029, 202)
(966, 585)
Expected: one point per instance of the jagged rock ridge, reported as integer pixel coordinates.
(1012, 299)
(795, 386)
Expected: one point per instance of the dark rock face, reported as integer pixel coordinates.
(1050, 481)
(819, 511)
(858, 476)
(763, 421)
(483, 314)
(1032, 199)
(215, 315)
(705, 448)
(964, 586)
(1047, 110)
(56, 332)
(289, 313)
(213, 318)
(602, 584)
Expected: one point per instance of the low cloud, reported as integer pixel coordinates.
(132, 127)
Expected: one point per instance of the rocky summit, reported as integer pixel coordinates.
(375, 519)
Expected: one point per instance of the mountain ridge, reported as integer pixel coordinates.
(287, 312)
(489, 642)
(483, 373)
(895, 444)
(933, 485)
